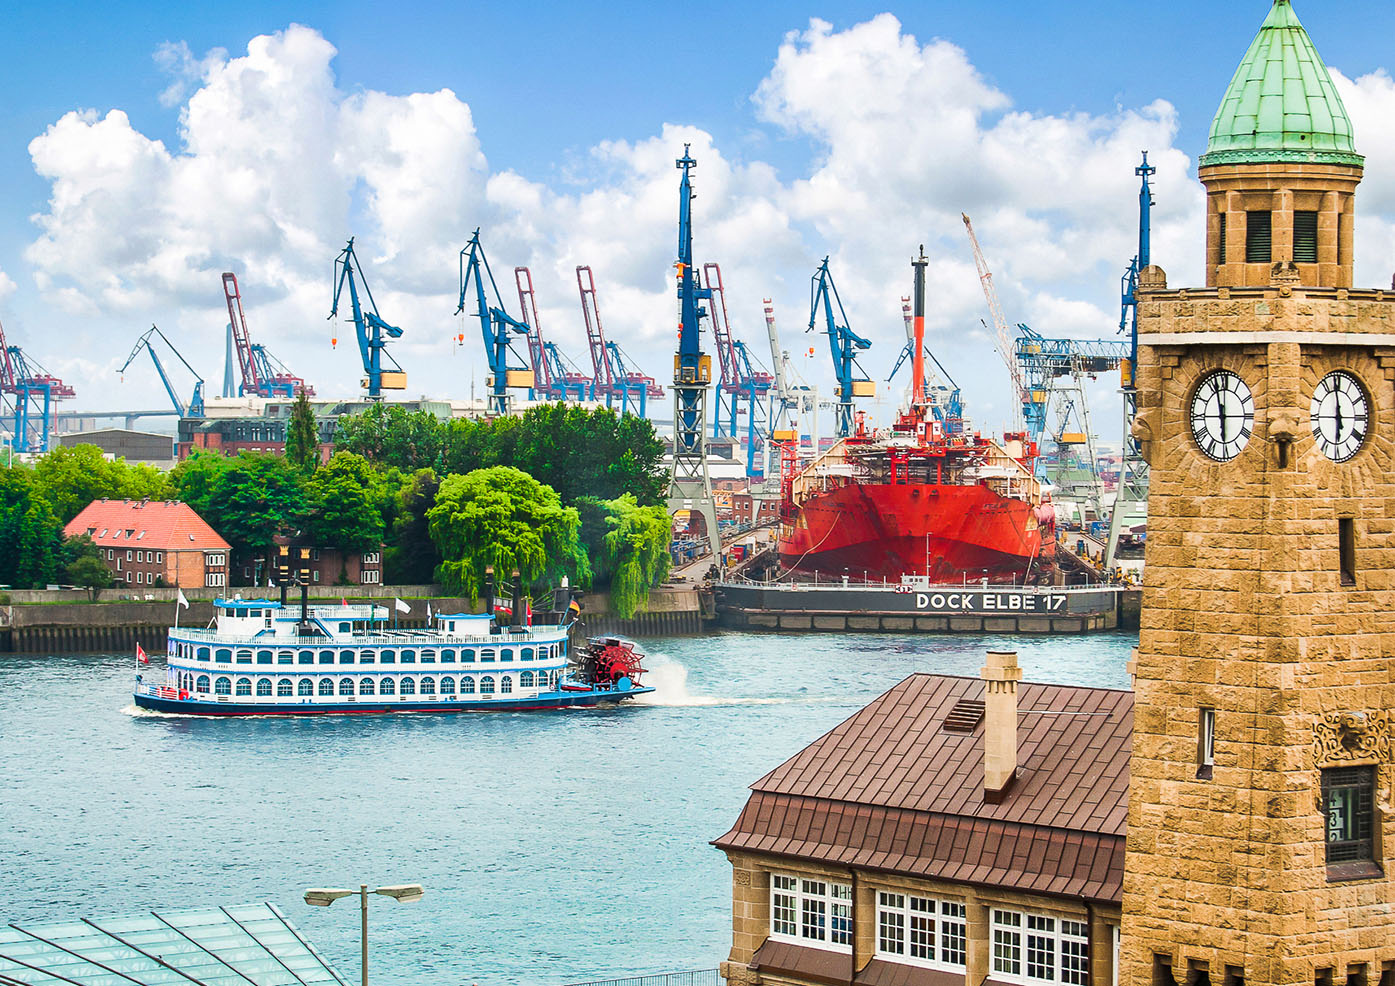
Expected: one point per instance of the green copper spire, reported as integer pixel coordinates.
(1281, 105)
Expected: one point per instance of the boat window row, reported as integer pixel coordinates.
(430, 655)
(345, 686)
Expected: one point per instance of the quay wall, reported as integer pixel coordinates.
(56, 622)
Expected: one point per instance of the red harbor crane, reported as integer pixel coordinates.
(262, 374)
(34, 391)
(555, 378)
(613, 377)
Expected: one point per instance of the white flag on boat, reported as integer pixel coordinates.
(401, 606)
(428, 611)
(182, 601)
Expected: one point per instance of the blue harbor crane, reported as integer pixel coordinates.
(497, 326)
(740, 382)
(844, 343)
(34, 391)
(194, 408)
(690, 483)
(368, 326)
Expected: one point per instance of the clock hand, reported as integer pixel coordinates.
(1220, 405)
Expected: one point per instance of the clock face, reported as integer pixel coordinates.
(1340, 416)
(1223, 415)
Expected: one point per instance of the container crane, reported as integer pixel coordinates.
(613, 377)
(690, 483)
(369, 327)
(262, 374)
(740, 380)
(843, 343)
(555, 378)
(195, 406)
(34, 391)
(794, 405)
(497, 327)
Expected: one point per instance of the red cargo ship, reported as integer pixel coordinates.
(924, 498)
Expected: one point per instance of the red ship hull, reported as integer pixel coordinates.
(946, 532)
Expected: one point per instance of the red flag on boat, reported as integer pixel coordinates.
(344, 602)
(141, 655)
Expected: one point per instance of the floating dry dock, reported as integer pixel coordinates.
(924, 608)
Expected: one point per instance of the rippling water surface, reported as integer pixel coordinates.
(555, 847)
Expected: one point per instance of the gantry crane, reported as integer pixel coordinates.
(1023, 409)
(844, 344)
(555, 378)
(369, 327)
(690, 483)
(612, 376)
(194, 408)
(497, 326)
(739, 381)
(34, 391)
(262, 374)
(794, 405)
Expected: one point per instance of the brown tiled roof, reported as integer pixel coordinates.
(815, 965)
(160, 524)
(880, 972)
(891, 789)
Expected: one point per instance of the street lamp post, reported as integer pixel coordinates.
(405, 893)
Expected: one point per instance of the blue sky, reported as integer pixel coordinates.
(547, 85)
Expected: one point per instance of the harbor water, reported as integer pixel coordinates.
(554, 847)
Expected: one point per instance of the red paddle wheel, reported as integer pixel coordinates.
(615, 659)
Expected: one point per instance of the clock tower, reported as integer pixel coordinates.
(1261, 833)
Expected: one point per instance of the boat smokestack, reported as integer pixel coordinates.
(516, 617)
(1000, 677)
(918, 323)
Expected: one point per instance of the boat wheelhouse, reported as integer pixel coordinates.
(261, 657)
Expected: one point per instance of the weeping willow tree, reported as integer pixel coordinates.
(503, 517)
(633, 553)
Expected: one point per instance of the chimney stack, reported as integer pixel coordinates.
(1000, 676)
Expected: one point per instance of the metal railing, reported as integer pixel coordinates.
(699, 977)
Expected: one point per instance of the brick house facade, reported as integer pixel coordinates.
(154, 543)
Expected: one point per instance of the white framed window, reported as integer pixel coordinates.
(810, 911)
(370, 557)
(213, 579)
(128, 554)
(317, 575)
(1206, 745)
(1040, 948)
(921, 930)
(159, 557)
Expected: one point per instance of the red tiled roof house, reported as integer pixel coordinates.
(955, 831)
(148, 543)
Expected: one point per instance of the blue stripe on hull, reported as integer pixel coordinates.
(554, 701)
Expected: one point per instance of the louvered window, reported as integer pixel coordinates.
(1259, 238)
(1305, 249)
(1221, 244)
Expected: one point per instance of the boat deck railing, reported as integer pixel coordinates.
(827, 584)
(381, 638)
(699, 977)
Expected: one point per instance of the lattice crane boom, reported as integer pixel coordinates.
(1006, 347)
(369, 327)
(195, 405)
(496, 325)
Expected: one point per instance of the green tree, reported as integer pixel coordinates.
(345, 500)
(628, 546)
(302, 436)
(31, 536)
(72, 476)
(411, 558)
(197, 480)
(256, 497)
(505, 518)
(391, 435)
(85, 566)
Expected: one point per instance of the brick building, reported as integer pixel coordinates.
(324, 566)
(153, 543)
(927, 842)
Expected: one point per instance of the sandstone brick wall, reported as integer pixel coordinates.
(1244, 612)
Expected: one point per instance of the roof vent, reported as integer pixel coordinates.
(965, 716)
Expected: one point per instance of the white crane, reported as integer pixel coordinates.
(1006, 348)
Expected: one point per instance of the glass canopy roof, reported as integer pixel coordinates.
(253, 943)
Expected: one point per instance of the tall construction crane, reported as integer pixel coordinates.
(739, 382)
(1023, 408)
(555, 378)
(194, 408)
(613, 377)
(844, 343)
(262, 374)
(794, 405)
(33, 391)
(369, 327)
(690, 483)
(497, 327)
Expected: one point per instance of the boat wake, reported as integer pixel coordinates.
(669, 680)
(135, 712)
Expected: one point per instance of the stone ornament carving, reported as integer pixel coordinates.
(742, 878)
(1352, 737)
